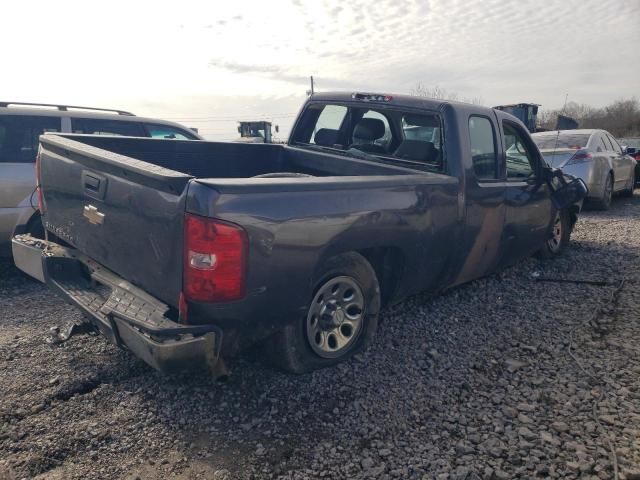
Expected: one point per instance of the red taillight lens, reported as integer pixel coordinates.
(215, 256)
(580, 156)
(38, 187)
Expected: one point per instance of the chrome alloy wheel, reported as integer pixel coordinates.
(335, 317)
(555, 241)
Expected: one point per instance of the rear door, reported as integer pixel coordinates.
(18, 147)
(124, 213)
(484, 199)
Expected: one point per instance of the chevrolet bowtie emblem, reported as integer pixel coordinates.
(92, 214)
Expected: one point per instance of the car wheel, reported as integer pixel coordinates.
(341, 320)
(604, 202)
(560, 235)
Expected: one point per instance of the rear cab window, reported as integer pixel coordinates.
(94, 126)
(326, 130)
(376, 133)
(19, 136)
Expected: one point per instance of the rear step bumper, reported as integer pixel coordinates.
(126, 315)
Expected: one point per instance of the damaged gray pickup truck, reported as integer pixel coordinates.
(184, 252)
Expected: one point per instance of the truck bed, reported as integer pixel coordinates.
(121, 201)
(203, 159)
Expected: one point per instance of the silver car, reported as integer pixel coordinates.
(20, 126)
(592, 155)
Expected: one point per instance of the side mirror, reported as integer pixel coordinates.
(277, 129)
(566, 193)
(239, 129)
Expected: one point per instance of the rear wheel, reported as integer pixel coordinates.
(560, 235)
(604, 202)
(341, 319)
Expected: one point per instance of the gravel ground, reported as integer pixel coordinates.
(505, 377)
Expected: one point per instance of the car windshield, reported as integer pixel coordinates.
(630, 142)
(373, 132)
(555, 140)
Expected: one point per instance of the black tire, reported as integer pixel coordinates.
(561, 227)
(291, 348)
(604, 202)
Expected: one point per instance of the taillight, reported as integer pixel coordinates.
(580, 156)
(215, 256)
(38, 186)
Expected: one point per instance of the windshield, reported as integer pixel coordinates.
(373, 132)
(555, 140)
(630, 142)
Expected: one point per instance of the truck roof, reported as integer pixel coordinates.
(396, 100)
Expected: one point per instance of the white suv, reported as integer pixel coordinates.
(20, 126)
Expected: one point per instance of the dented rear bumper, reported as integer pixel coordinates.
(126, 315)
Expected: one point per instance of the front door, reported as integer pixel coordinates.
(527, 197)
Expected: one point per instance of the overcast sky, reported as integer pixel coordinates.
(207, 64)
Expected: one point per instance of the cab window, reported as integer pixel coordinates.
(424, 128)
(328, 124)
(482, 140)
(520, 159)
(374, 133)
(19, 136)
(385, 140)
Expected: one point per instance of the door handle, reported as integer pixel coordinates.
(91, 183)
(94, 185)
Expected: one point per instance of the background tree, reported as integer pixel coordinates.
(621, 118)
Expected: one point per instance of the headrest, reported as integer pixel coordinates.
(326, 137)
(417, 150)
(369, 129)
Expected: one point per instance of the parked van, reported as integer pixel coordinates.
(20, 126)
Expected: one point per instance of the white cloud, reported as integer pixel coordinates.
(207, 61)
